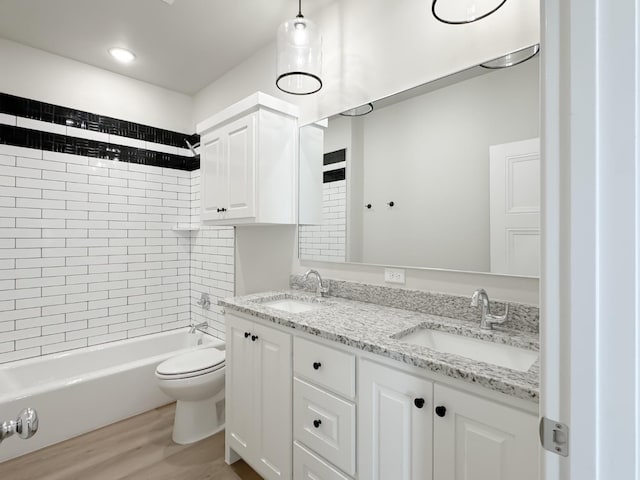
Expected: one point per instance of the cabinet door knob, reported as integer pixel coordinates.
(316, 365)
(317, 423)
(441, 411)
(254, 338)
(246, 334)
(419, 402)
(223, 209)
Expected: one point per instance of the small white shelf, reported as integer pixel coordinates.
(186, 227)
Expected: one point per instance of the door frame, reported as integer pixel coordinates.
(590, 249)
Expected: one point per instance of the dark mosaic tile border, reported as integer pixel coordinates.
(334, 157)
(47, 112)
(53, 142)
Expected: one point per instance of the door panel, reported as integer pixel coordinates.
(515, 207)
(274, 373)
(213, 181)
(242, 164)
(240, 390)
(478, 439)
(395, 436)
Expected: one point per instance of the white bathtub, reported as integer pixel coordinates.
(78, 391)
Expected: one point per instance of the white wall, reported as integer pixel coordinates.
(38, 75)
(430, 156)
(374, 48)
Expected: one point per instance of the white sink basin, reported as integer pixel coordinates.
(291, 305)
(495, 353)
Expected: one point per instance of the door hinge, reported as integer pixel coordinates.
(554, 436)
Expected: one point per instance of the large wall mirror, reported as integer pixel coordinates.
(445, 175)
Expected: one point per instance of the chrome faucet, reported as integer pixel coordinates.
(198, 326)
(323, 288)
(488, 319)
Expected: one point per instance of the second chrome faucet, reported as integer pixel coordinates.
(323, 287)
(488, 319)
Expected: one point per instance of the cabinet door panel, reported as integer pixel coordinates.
(478, 439)
(395, 435)
(241, 156)
(240, 393)
(213, 182)
(274, 374)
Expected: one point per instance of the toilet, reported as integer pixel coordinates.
(196, 380)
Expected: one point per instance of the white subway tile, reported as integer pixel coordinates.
(65, 158)
(88, 134)
(61, 347)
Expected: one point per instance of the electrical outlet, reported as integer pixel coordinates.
(394, 275)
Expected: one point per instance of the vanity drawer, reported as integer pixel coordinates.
(326, 424)
(308, 466)
(325, 366)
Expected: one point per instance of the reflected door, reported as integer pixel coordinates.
(515, 207)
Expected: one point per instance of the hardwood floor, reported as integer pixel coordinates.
(135, 449)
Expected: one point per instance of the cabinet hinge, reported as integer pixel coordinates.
(554, 436)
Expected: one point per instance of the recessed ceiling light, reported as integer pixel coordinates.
(122, 54)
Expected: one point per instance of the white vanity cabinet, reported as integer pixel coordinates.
(305, 408)
(395, 424)
(473, 438)
(248, 163)
(258, 397)
(477, 439)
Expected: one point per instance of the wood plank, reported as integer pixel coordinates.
(135, 449)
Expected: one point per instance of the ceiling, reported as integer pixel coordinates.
(182, 45)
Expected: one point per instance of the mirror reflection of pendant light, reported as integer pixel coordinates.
(358, 111)
(299, 61)
(512, 59)
(459, 12)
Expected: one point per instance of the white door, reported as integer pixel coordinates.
(273, 371)
(241, 158)
(475, 439)
(515, 207)
(213, 179)
(395, 423)
(240, 391)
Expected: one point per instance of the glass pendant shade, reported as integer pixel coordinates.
(299, 63)
(458, 12)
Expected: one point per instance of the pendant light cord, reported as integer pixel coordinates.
(299, 10)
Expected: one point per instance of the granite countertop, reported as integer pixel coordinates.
(376, 328)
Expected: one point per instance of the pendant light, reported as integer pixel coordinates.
(459, 12)
(299, 61)
(359, 111)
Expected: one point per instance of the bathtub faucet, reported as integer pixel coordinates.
(26, 425)
(198, 326)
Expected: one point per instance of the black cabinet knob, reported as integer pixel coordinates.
(368, 205)
(441, 411)
(317, 423)
(221, 210)
(391, 204)
(419, 402)
(316, 365)
(254, 338)
(246, 334)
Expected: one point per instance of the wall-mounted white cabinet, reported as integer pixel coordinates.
(248, 161)
(258, 397)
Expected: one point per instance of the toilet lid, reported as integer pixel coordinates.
(198, 360)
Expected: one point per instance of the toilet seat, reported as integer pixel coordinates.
(191, 364)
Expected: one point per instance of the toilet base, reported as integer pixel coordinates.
(196, 420)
